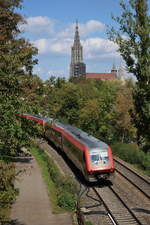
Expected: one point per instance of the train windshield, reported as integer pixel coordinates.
(95, 157)
(99, 157)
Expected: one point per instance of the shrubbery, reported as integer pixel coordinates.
(66, 200)
(132, 154)
(88, 223)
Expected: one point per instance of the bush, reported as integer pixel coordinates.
(88, 223)
(67, 194)
(132, 154)
(66, 200)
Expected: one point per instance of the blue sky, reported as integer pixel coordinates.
(51, 26)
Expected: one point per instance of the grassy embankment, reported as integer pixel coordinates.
(132, 154)
(62, 190)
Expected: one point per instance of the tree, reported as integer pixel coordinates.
(133, 39)
(32, 90)
(16, 62)
(69, 101)
(123, 106)
(89, 116)
(96, 115)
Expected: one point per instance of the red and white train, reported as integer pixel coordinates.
(90, 155)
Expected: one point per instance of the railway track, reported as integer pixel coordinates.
(117, 210)
(138, 181)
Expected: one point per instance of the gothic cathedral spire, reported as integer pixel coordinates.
(77, 38)
(77, 67)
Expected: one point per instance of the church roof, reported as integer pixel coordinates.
(101, 75)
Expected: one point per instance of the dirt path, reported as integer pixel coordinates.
(32, 206)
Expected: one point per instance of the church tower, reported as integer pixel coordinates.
(77, 67)
(114, 70)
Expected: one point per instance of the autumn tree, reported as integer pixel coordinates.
(133, 39)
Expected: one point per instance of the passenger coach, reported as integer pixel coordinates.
(92, 156)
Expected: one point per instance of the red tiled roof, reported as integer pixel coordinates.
(101, 75)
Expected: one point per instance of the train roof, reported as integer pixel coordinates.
(39, 116)
(82, 136)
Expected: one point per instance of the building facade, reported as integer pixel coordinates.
(104, 76)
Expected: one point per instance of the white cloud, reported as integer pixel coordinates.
(61, 46)
(98, 47)
(60, 42)
(38, 70)
(42, 45)
(90, 27)
(92, 47)
(45, 73)
(39, 25)
(55, 46)
(57, 73)
(44, 25)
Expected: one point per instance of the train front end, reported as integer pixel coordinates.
(100, 164)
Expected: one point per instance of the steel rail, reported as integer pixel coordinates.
(110, 215)
(131, 181)
(129, 210)
(131, 170)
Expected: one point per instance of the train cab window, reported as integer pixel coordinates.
(99, 157)
(95, 158)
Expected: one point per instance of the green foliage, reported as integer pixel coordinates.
(67, 194)
(123, 106)
(16, 62)
(65, 188)
(93, 106)
(97, 113)
(69, 100)
(141, 115)
(7, 190)
(88, 223)
(132, 154)
(66, 200)
(133, 39)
